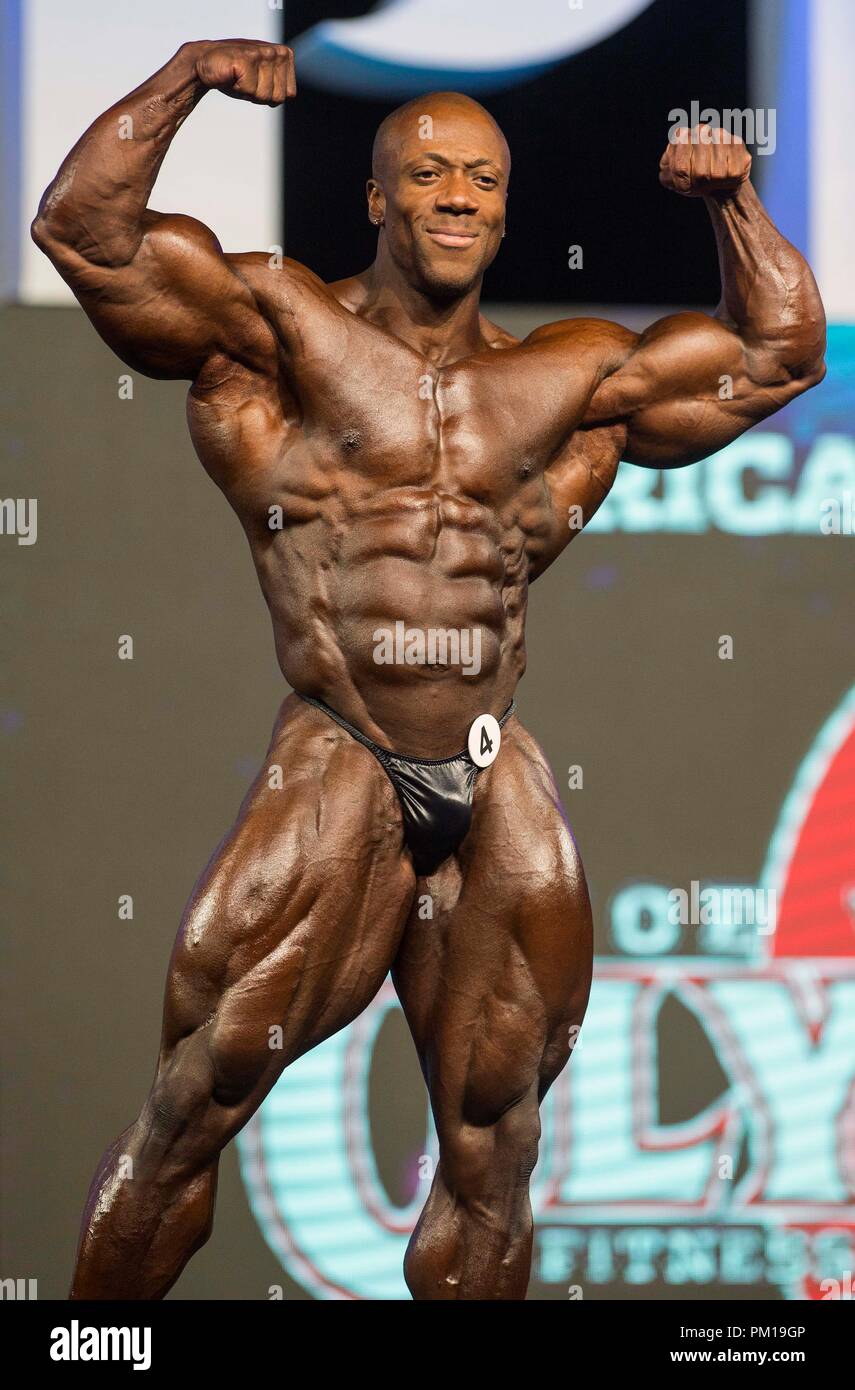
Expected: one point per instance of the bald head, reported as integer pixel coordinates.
(420, 118)
(437, 193)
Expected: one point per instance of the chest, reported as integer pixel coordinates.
(481, 427)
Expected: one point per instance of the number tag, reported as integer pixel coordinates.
(485, 736)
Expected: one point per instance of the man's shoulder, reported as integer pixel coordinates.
(270, 273)
(585, 332)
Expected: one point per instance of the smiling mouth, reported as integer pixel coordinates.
(448, 236)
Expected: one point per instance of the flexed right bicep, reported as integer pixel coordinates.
(174, 305)
(157, 285)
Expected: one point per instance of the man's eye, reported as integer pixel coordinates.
(426, 173)
(486, 182)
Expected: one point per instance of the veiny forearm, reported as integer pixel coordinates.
(95, 205)
(769, 294)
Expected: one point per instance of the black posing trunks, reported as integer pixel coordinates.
(435, 793)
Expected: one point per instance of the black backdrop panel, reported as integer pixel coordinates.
(585, 138)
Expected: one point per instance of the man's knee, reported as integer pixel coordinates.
(494, 1160)
(186, 1121)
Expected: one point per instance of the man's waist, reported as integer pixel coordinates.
(428, 721)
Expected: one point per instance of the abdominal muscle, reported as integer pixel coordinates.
(407, 627)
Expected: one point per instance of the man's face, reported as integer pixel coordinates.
(441, 196)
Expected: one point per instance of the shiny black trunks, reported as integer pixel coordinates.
(435, 793)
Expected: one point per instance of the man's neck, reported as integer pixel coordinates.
(440, 330)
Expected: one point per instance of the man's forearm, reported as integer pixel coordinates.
(768, 290)
(96, 202)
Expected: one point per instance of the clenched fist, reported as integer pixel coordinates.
(703, 161)
(248, 69)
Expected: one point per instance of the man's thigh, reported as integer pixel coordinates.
(293, 925)
(494, 969)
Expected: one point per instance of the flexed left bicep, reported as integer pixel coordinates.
(689, 385)
(693, 382)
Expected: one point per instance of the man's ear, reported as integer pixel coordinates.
(376, 203)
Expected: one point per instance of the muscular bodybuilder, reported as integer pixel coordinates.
(403, 469)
